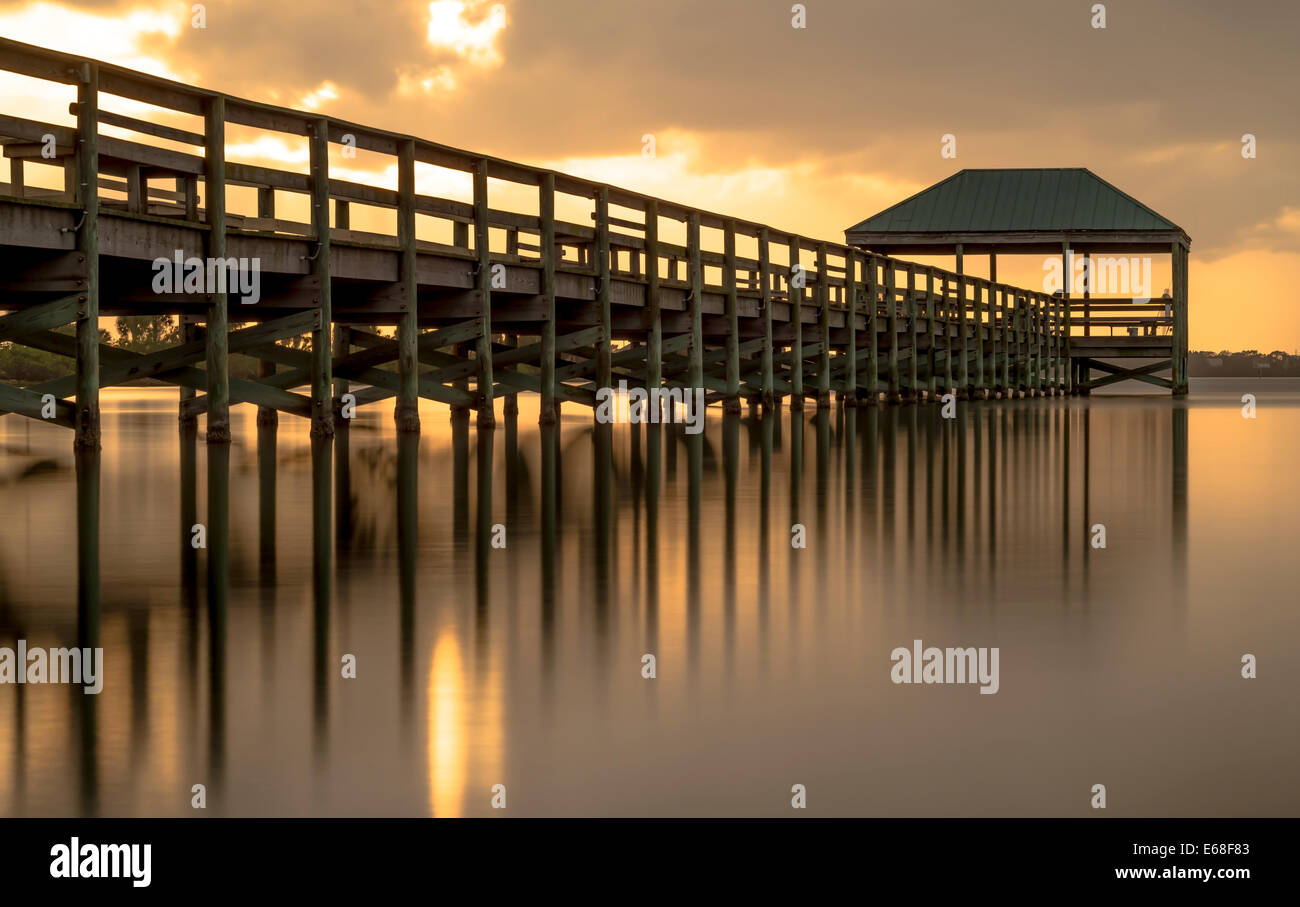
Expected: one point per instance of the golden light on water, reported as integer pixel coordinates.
(447, 727)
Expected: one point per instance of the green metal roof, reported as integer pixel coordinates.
(1049, 200)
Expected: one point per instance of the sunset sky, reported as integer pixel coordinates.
(807, 129)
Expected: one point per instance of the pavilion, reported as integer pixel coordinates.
(1100, 238)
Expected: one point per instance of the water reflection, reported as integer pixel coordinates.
(421, 554)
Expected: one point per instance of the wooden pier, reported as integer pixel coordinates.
(500, 301)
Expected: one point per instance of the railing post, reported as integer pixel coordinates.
(217, 326)
(654, 358)
(546, 216)
(406, 413)
(1007, 302)
(823, 328)
(963, 373)
(947, 339)
(873, 327)
(932, 356)
(604, 292)
(913, 318)
(1069, 318)
(851, 315)
(1178, 334)
(483, 290)
(732, 402)
(895, 395)
(87, 434)
(695, 305)
(981, 387)
(795, 295)
(322, 404)
(765, 300)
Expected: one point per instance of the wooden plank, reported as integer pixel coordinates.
(41, 317)
(31, 404)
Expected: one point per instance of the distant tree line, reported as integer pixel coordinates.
(1245, 364)
(22, 365)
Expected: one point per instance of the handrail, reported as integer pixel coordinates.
(877, 270)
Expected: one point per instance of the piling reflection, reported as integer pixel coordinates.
(472, 677)
(88, 618)
(218, 585)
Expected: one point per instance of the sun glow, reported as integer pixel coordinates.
(451, 28)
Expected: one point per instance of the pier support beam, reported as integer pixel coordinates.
(824, 329)
(654, 350)
(604, 291)
(217, 326)
(87, 432)
(549, 414)
(891, 300)
(981, 388)
(406, 413)
(794, 290)
(913, 332)
(765, 300)
(932, 356)
(322, 404)
(695, 304)
(963, 332)
(483, 290)
(873, 331)
(1179, 338)
(850, 391)
(731, 403)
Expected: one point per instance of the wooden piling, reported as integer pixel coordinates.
(406, 412)
(978, 290)
(765, 300)
(850, 390)
(217, 326)
(963, 373)
(824, 330)
(695, 303)
(731, 404)
(932, 354)
(322, 405)
(891, 300)
(549, 414)
(913, 320)
(796, 319)
(654, 358)
(873, 338)
(87, 429)
(483, 291)
(604, 291)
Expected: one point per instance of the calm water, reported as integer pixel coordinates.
(521, 665)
